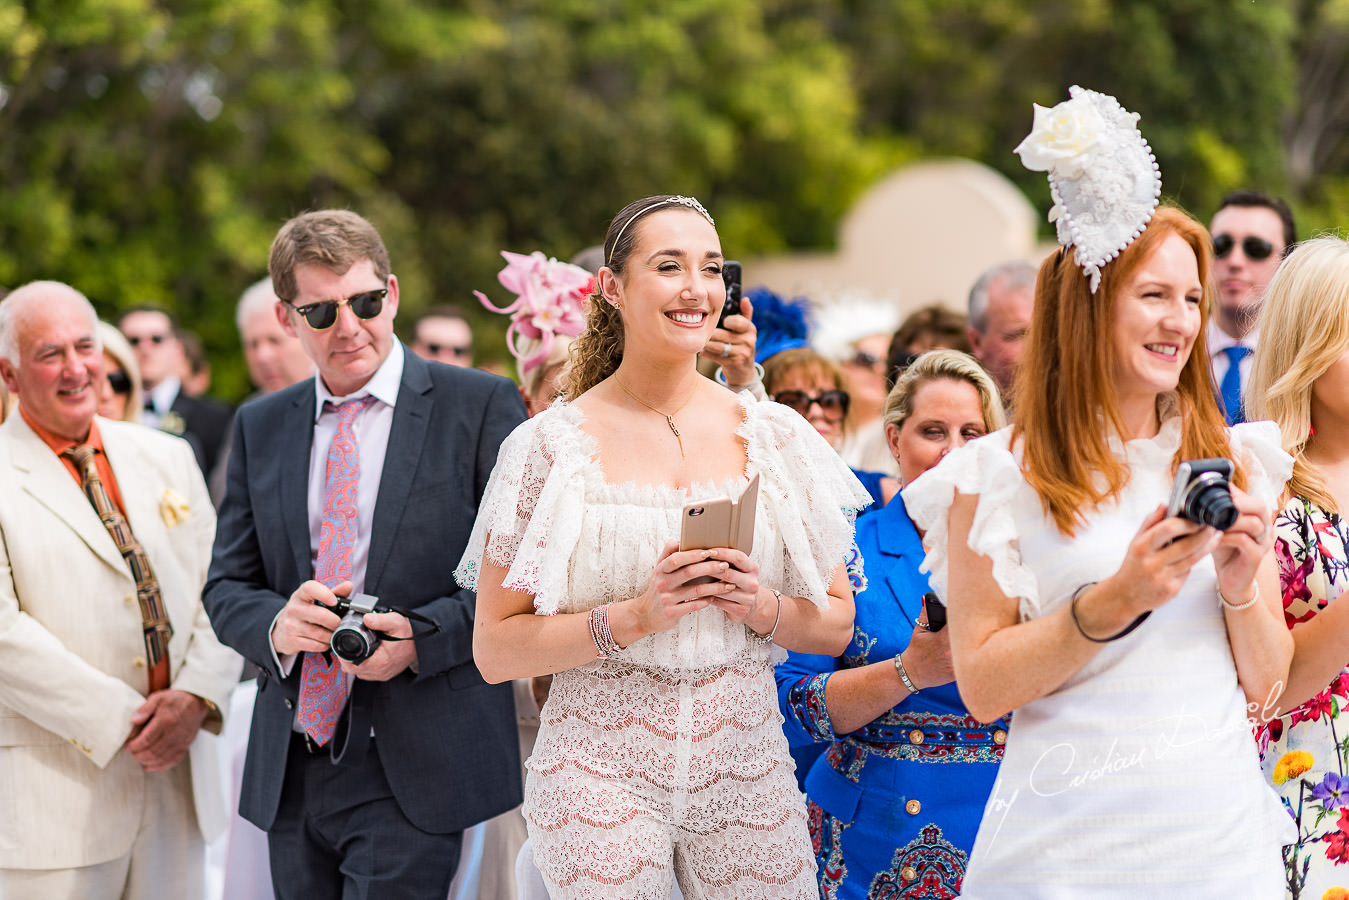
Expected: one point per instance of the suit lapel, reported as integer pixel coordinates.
(407, 436)
(47, 480)
(905, 585)
(141, 490)
(293, 447)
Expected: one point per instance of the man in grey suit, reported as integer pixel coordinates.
(364, 479)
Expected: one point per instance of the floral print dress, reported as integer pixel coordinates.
(1305, 754)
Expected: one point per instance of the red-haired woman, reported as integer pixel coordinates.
(1127, 641)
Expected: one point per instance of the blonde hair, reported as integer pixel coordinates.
(1065, 383)
(117, 346)
(935, 365)
(1304, 328)
(559, 355)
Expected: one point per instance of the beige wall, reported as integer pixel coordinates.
(920, 235)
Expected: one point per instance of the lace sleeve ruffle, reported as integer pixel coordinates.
(988, 469)
(530, 515)
(814, 495)
(1258, 447)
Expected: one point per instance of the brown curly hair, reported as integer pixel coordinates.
(596, 353)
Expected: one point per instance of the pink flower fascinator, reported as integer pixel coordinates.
(551, 301)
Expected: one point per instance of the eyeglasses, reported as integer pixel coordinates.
(832, 402)
(1256, 249)
(437, 349)
(323, 314)
(155, 339)
(120, 382)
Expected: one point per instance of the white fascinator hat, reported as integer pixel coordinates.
(1102, 175)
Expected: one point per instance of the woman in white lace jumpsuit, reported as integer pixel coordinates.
(661, 753)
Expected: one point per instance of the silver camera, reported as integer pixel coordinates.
(351, 640)
(1203, 493)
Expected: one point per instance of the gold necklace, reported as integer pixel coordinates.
(669, 417)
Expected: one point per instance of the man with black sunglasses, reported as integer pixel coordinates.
(1252, 232)
(366, 479)
(442, 334)
(203, 422)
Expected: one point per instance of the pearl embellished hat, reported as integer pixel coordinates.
(1102, 175)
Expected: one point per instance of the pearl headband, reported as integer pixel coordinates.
(690, 202)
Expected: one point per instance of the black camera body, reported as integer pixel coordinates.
(351, 640)
(1203, 493)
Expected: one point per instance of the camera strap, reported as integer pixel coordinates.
(341, 608)
(412, 617)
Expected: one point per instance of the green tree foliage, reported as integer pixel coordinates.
(152, 147)
(1211, 80)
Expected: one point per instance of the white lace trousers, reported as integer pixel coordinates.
(640, 778)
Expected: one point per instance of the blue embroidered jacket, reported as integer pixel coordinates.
(894, 806)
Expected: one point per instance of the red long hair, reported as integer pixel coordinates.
(1065, 385)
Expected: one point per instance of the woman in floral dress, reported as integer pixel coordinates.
(1301, 381)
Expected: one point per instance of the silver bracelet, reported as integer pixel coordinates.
(720, 378)
(904, 676)
(777, 620)
(1255, 595)
(600, 634)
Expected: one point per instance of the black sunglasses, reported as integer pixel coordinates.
(323, 314)
(1256, 249)
(832, 402)
(120, 382)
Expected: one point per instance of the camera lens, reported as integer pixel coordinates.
(354, 642)
(1209, 502)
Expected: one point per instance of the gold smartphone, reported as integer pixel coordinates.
(720, 522)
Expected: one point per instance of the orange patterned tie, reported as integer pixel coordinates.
(154, 618)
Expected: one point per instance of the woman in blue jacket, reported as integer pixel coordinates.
(897, 796)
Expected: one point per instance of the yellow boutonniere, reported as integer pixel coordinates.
(173, 423)
(173, 508)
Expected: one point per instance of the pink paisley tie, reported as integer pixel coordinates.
(323, 685)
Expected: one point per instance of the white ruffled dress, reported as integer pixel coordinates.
(1139, 776)
(675, 748)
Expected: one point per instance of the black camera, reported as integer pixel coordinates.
(1203, 493)
(351, 640)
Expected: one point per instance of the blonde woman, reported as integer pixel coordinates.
(895, 732)
(1300, 379)
(121, 396)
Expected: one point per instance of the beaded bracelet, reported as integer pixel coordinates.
(777, 620)
(1255, 595)
(1072, 608)
(600, 634)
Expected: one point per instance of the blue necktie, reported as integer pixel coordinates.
(1231, 386)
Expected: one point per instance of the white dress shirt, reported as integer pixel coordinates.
(160, 400)
(1219, 340)
(372, 437)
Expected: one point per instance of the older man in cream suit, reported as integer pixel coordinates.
(109, 670)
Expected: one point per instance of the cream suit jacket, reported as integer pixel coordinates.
(72, 655)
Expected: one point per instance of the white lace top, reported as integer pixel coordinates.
(574, 540)
(1141, 768)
